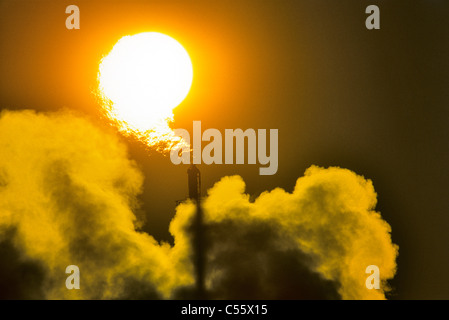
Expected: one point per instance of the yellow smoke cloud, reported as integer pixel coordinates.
(328, 220)
(329, 216)
(67, 195)
(68, 191)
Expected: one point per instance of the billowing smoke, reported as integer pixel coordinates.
(315, 242)
(67, 196)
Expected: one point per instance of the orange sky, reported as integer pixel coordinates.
(373, 102)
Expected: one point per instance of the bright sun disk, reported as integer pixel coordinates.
(144, 77)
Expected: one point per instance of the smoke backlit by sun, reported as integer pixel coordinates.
(141, 81)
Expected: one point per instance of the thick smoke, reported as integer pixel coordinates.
(315, 242)
(67, 196)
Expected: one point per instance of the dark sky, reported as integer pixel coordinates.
(375, 102)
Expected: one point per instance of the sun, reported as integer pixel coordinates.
(144, 77)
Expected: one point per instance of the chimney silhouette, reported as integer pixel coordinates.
(194, 182)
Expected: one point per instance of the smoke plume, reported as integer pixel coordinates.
(68, 191)
(67, 196)
(315, 242)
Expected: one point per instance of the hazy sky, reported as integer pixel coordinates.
(374, 102)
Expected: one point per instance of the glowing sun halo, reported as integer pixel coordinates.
(144, 77)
